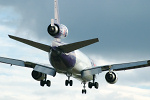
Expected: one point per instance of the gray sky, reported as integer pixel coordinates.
(122, 26)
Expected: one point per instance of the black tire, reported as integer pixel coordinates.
(83, 91)
(96, 85)
(42, 83)
(48, 83)
(71, 82)
(90, 85)
(66, 82)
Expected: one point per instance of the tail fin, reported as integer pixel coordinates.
(56, 12)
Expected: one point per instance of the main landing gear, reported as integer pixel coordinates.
(95, 84)
(69, 82)
(47, 82)
(90, 85)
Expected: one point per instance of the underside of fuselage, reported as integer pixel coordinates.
(62, 61)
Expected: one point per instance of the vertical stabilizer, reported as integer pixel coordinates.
(56, 12)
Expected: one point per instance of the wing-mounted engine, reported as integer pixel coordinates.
(57, 31)
(111, 77)
(38, 76)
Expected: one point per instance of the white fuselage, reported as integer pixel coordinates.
(82, 62)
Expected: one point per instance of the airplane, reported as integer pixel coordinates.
(68, 60)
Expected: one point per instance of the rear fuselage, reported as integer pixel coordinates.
(73, 62)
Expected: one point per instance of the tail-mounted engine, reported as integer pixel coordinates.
(57, 31)
(111, 77)
(38, 76)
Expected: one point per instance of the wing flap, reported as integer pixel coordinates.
(45, 70)
(91, 71)
(74, 46)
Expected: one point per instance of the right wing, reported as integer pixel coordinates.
(37, 67)
(116, 67)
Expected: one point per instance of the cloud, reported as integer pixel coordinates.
(121, 26)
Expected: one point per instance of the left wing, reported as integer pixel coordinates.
(116, 67)
(37, 67)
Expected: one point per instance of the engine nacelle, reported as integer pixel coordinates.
(38, 76)
(58, 31)
(111, 77)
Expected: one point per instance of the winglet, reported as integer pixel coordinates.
(32, 43)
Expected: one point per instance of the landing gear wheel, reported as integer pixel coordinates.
(90, 85)
(96, 85)
(48, 83)
(71, 82)
(42, 83)
(66, 82)
(83, 91)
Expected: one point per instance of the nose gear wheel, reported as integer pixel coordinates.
(84, 90)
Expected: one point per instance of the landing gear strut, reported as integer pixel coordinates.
(84, 90)
(95, 84)
(69, 82)
(47, 82)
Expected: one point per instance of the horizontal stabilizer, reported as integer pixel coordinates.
(77, 45)
(32, 43)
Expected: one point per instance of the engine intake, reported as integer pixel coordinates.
(53, 30)
(111, 77)
(37, 75)
(57, 31)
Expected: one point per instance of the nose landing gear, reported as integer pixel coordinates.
(84, 90)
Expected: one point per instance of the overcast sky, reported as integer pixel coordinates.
(122, 26)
